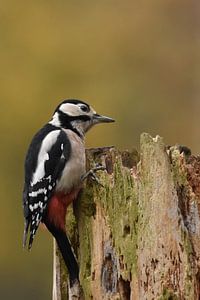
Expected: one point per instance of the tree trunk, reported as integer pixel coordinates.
(138, 235)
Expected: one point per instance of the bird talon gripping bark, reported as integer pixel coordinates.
(54, 170)
(92, 175)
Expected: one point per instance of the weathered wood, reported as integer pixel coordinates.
(138, 236)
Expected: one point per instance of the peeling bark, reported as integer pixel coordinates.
(138, 236)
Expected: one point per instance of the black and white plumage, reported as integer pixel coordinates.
(45, 161)
(54, 166)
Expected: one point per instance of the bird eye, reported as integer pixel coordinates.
(84, 108)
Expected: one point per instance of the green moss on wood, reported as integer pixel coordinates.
(118, 198)
(168, 295)
(124, 200)
(85, 209)
(178, 166)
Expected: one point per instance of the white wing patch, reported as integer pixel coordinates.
(43, 156)
(36, 193)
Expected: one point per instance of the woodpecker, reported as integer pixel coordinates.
(54, 168)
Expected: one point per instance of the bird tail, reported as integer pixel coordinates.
(26, 227)
(66, 251)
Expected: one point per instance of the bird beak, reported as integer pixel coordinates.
(102, 119)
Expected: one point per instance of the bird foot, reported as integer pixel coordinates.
(92, 175)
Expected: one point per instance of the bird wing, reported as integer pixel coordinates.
(53, 154)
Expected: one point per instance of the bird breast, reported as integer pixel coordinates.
(75, 166)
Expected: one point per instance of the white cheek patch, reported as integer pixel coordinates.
(70, 109)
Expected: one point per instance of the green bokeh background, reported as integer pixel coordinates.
(136, 61)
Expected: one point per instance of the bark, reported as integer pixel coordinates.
(138, 235)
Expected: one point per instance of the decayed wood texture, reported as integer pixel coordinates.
(138, 236)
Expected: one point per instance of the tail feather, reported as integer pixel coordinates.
(66, 251)
(34, 224)
(26, 228)
(31, 237)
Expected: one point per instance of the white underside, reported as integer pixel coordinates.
(75, 167)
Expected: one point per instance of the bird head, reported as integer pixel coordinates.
(77, 115)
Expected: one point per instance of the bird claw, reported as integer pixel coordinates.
(92, 175)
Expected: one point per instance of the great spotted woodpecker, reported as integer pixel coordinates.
(54, 167)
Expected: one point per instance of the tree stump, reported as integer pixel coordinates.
(137, 236)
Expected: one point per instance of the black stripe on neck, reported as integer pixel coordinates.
(74, 130)
(66, 121)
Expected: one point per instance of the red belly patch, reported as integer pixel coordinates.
(57, 207)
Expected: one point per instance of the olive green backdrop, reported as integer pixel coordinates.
(136, 61)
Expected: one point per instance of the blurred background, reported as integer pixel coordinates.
(136, 61)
